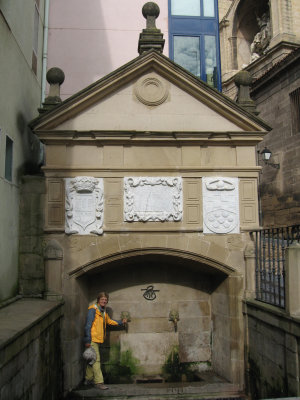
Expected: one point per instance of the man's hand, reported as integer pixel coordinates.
(88, 345)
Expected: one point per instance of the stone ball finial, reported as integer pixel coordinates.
(55, 75)
(150, 9)
(243, 78)
(151, 37)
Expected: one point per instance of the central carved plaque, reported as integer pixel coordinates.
(152, 199)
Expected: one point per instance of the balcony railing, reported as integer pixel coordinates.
(270, 266)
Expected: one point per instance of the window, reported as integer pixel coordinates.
(295, 110)
(187, 7)
(192, 8)
(194, 38)
(8, 158)
(187, 53)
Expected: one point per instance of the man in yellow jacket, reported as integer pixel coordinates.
(95, 332)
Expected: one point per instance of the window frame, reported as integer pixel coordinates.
(294, 97)
(195, 26)
(9, 159)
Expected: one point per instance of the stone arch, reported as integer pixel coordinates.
(245, 26)
(102, 262)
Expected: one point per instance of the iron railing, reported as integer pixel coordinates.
(270, 267)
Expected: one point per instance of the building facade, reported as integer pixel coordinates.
(253, 36)
(20, 82)
(263, 39)
(127, 138)
(276, 95)
(133, 127)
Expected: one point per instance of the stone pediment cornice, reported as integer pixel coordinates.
(136, 138)
(150, 61)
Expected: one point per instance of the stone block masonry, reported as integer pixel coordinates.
(31, 261)
(279, 188)
(273, 351)
(30, 350)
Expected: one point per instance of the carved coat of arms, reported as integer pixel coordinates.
(220, 205)
(84, 205)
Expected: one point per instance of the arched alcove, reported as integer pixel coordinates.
(245, 27)
(207, 300)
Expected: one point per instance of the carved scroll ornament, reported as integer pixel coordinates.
(152, 199)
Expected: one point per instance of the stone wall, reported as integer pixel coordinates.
(227, 329)
(280, 188)
(31, 260)
(151, 335)
(224, 6)
(30, 350)
(273, 351)
(22, 90)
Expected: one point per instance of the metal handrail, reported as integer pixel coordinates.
(270, 263)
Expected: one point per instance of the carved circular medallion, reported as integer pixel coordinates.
(151, 90)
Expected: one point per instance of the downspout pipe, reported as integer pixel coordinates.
(41, 160)
(45, 51)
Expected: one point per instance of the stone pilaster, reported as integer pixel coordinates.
(282, 22)
(293, 280)
(233, 47)
(250, 271)
(53, 256)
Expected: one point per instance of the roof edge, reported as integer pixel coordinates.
(127, 69)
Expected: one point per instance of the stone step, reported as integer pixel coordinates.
(160, 391)
(149, 379)
(172, 397)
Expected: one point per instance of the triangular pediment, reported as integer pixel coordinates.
(149, 94)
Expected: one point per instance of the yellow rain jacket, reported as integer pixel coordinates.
(95, 328)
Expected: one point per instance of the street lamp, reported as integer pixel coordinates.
(266, 155)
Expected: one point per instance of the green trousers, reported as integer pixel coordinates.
(93, 372)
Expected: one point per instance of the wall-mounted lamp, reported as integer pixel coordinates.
(266, 155)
